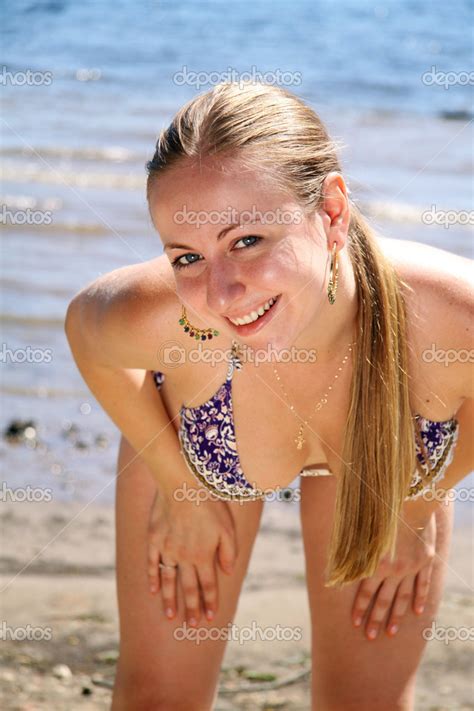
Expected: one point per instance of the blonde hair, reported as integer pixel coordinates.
(278, 131)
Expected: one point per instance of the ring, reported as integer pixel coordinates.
(163, 565)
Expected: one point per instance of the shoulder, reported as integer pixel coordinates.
(129, 312)
(439, 295)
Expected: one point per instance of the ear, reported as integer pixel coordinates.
(335, 210)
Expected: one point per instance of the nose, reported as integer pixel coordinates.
(224, 287)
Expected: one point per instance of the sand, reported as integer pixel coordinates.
(66, 595)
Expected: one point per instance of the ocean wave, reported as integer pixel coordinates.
(72, 178)
(43, 391)
(94, 229)
(113, 154)
(403, 212)
(32, 321)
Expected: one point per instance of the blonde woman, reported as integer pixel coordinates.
(266, 252)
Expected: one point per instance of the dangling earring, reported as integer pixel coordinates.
(200, 334)
(332, 284)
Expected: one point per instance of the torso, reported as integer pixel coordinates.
(264, 426)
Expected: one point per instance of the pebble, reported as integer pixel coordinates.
(62, 671)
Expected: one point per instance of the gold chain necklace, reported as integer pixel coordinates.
(300, 440)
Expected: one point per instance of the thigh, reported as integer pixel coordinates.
(155, 669)
(350, 671)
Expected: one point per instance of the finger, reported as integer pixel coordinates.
(189, 584)
(382, 604)
(364, 595)
(152, 567)
(168, 590)
(422, 587)
(227, 552)
(403, 597)
(208, 583)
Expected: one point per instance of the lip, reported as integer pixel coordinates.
(249, 328)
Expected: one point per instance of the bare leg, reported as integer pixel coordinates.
(349, 671)
(156, 670)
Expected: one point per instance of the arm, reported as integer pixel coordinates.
(107, 328)
(451, 325)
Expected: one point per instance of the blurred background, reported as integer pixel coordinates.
(85, 89)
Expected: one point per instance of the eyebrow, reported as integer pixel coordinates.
(221, 235)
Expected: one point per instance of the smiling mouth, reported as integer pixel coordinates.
(261, 318)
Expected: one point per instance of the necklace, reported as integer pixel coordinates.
(300, 440)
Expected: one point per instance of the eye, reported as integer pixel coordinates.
(249, 237)
(178, 264)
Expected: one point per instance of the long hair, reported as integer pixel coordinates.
(277, 130)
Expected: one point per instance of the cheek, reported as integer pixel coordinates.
(187, 290)
(288, 271)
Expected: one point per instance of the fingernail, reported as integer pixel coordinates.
(420, 609)
(209, 614)
(191, 621)
(169, 612)
(153, 588)
(372, 634)
(358, 621)
(393, 629)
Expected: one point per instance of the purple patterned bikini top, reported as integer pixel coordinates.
(208, 444)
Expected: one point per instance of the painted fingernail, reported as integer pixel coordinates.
(393, 629)
(358, 621)
(209, 614)
(169, 612)
(191, 621)
(372, 633)
(420, 609)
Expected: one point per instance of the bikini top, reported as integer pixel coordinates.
(208, 444)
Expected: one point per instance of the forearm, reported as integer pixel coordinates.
(133, 402)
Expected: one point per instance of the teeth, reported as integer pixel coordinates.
(254, 315)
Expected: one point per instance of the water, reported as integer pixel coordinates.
(75, 147)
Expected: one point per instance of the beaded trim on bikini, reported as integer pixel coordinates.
(427, 474)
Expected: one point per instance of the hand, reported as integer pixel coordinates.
(398, 584)
(189, 535)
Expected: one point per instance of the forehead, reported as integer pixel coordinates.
(220, 188)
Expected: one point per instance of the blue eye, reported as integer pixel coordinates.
(249, 237)
(177, 264)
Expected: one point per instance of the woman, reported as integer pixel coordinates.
(269, 255)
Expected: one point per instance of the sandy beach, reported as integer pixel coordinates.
(60, 625)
